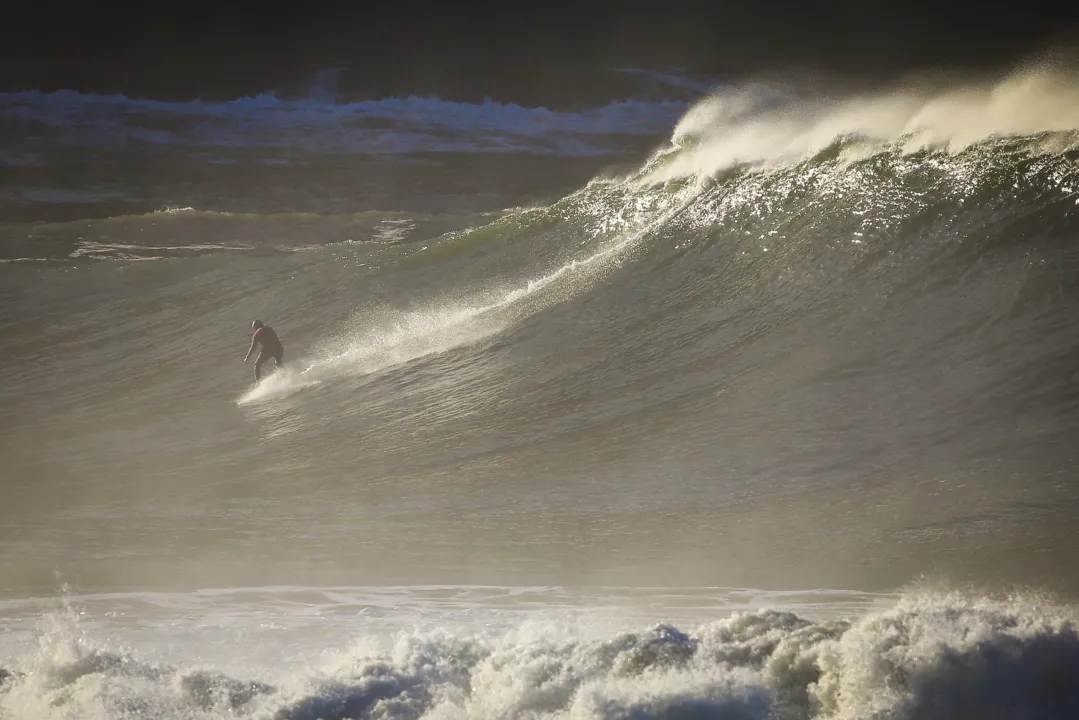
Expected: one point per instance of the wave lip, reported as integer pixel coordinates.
(763, 125)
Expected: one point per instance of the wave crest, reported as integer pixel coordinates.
(761, 125)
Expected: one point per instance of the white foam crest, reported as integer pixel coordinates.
(185, 211)
(87, 248)
(759, 125)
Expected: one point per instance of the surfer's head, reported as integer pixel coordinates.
(256, 325)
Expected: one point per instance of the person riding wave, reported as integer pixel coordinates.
(271, 347)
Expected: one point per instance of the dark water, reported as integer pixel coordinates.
(802, 345)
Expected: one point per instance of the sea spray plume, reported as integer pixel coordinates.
(760, 125)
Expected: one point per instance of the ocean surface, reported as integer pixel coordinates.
(761, 404)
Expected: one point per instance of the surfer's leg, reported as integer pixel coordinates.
(258, 366)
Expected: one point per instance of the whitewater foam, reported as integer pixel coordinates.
(927, 656)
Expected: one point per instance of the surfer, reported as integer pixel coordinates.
(271, 347)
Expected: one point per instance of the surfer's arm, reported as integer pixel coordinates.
(251, 349)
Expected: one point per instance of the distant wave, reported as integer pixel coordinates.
(186, 231)
(115, 123)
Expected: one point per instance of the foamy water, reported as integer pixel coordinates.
(481, 652)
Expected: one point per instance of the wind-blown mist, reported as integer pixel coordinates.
(759, 125)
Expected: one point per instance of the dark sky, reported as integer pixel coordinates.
(207, 49)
